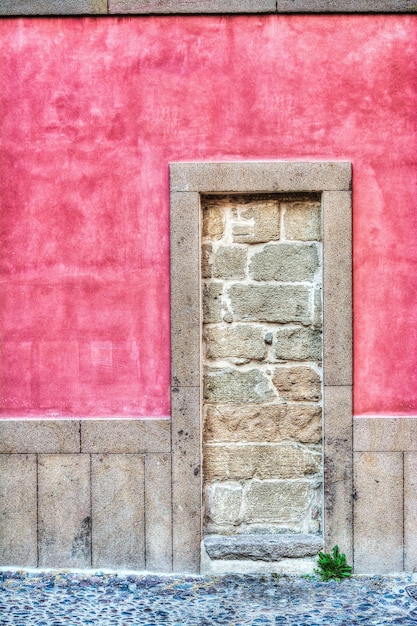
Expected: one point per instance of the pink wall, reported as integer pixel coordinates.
(92, 112)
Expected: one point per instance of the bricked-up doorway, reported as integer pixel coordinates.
(329, 186)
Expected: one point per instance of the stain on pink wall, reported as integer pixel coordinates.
(92, 112)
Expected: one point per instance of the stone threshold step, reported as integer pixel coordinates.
(262, 547)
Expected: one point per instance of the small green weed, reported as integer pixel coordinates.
(333, 566)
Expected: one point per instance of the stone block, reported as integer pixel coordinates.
(47, 436)
(318, 309)
(125, 436)
(278, 501)
(346, 6)
(18, 515)
(64, 510)
(410, 511)
(206, 260)
(212, 302)
(286, 262)
(338, 470)
(390, 434)
(230, 262)
(223, 503)
(232, 385)
(144, 7)
(268, 547)
(243, 341)
(378, 512)
(302, 221)
(158, 513)
(298, 344)
(254, 423)
(214, 222)
(117, 496)
(270, 303)
(259, 222)
(297, 383)
(53, 7)
(337, 287)
(244, 462)
(260, 176)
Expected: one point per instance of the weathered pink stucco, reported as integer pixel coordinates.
(92, 112)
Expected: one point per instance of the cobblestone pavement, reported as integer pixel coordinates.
(58, 598)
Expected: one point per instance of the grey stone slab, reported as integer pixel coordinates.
(53, 7)
(410, 511)
(337, 287)
(117, 496)
(338, 470)
(378, 512)
(144, 7)
(64, 510)
(125, 436)
(185, 289)
(186, 479)
(346, 6)
(270, 303)
(260, 176)
(262, 547)
(391, 434)
(41, 436)
(286, 262)
(18, 502)
(158, 513)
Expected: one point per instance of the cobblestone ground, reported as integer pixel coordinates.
(58, 598)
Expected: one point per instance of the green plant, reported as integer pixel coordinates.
(333, 566)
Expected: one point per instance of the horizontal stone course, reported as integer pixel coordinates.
(282, 461)
(53, 7)
(262, 547)
(254, 423)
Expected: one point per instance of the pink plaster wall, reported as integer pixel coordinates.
(92, 112)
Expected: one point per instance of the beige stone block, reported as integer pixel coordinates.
(337, 287)
(302, 220)
(243, 341)
(53, 7)
(410, 511)
(144, 7)
(64, 510)
(338, 470)
(206, 260)
(158, 513)
(260, 176)
(259, 222)
(186, 479)
(223, 503)
(212, 302)
(298, 344)
(232, 385)
(270, 303)
(117, 496)
(230, 262)
(247, 461)
(185, 288)
(286, 262)
(214, 221)
(125, 436)
(391, 434)
(53, 436)
(18, 516)
(297, 383)
(318, 309)
(278, 501)
(378, 512)
(254, 423)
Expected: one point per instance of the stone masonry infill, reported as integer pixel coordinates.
(262, 336)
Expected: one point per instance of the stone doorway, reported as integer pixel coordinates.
(312, 187)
